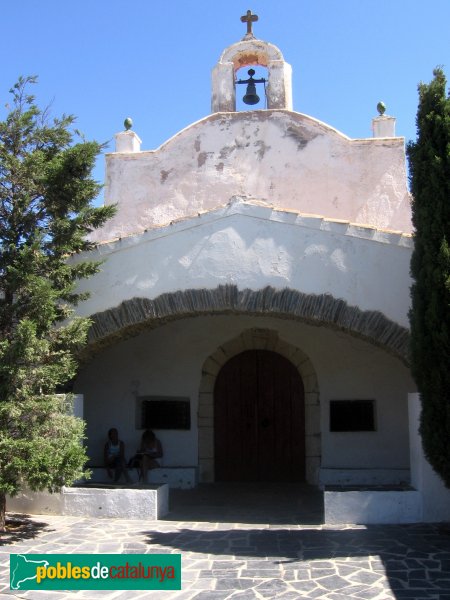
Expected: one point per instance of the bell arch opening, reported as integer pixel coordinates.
(249, 53)
(251, 88)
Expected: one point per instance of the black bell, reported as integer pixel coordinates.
(251, 97)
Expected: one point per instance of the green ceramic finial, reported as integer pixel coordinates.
(128, 123)
(381, 108)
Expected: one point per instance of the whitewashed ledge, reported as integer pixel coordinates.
(150, 502)
(184, 478)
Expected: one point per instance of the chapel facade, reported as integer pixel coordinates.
(252, 307)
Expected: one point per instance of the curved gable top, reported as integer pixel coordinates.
(305, 122)
(284, 158)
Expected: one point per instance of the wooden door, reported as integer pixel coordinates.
(259, 419)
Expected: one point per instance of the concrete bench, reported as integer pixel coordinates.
(121, 502)
(367, 505)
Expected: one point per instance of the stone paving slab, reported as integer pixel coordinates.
(246, 561)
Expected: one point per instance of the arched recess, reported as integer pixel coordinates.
(258, 339)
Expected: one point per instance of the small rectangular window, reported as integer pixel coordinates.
(161, 412)
(352, 415)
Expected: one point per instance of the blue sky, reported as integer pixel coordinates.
(103, 60)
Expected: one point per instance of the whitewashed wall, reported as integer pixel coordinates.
(253, 246)
(285, 158)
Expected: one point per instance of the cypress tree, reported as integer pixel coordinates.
(46, 194)
(429, 158)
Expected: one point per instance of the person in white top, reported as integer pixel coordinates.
(114, 456)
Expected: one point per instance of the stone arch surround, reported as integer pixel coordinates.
(251, 52)
(138, 314)
(258, 339)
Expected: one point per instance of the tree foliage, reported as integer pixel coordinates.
(429, 160)
(46, 194)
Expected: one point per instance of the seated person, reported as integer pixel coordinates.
(148, 453)
(114, 456)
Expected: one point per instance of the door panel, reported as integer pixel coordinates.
(259, 428)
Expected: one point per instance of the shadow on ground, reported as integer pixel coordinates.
(415, 558)
(20, 527)
(284, 503)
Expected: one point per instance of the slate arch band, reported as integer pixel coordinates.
(140, 314)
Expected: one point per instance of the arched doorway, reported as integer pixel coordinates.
(259, 419)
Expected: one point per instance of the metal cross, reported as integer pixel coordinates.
(249, 19)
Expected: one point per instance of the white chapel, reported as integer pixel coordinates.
(252, 306)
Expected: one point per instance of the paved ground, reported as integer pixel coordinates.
(246, 557)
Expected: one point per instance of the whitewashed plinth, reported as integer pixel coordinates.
(149, 503)
(369, 507)
(128, 141)
(383, 126)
